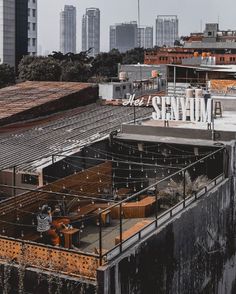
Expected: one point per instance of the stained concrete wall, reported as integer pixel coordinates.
(194, 253)
(15, 279)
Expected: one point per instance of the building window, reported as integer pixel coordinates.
(28, 26)
(28, 42)
(29, 179)
(34, 12)
(117, 89)
(28, 11)
(33, 42)
(34, 26)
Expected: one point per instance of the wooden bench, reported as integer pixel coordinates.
(132, 231)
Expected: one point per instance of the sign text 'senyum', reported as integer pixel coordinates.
(176, 108)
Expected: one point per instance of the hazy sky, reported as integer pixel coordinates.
(190, 13)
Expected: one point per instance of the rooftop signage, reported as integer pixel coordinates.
(176, 108)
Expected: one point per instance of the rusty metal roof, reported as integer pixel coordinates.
(24, 96)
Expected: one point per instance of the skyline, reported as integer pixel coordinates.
(48, 13)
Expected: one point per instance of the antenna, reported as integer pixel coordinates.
(139, 13)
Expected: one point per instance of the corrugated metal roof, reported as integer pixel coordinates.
(79, 127)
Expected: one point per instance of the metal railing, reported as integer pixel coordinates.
(163, 218)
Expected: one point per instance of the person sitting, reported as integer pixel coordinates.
(44, 220)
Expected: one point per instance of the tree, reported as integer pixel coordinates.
(133, 56)
(75, 72)
(105, 64)
(7, 75)
(39, 69)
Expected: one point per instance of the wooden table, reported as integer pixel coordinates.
(71, 237)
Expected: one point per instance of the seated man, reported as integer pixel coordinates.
(44, 222)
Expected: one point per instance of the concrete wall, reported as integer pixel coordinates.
(195, 253)
(15, 279)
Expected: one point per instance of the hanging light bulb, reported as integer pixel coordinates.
(41, 235)
(177, 161)
(169, 151)
(92, 202)
(129, 167)
(20, 205)
(78, 209)
(135, 189)
(164, 160)
(17, 218)
(68, 166)
(99, 190)
(22, 234)
(127, 185)
(117, 164)
(100, 180)
(194, 169)
(82, 225)
(155, 171)
(74, 172)
(81, 189)
(142, 169)
(33, 223)
(98, 223)
(98, 173)
(63, 167)
(152, 158)
(98, 155)
(168, 171)
(87, 177)
(146, 175)
(63, 187)
(78, 200)
(156, 163)
(142, 185)
(3, 231)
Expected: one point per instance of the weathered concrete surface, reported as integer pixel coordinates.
(194, 253)
(14, 280)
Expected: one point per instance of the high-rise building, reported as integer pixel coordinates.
(91, 31)
(32, 27)
(167, 30)
(13, 31)
(145, 37)
(68, 29)
(7, 31)
(124, 36)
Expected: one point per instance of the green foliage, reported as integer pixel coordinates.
(105, 64)
(7, 75)
(133, 56)
(79, 67)
(39, 69)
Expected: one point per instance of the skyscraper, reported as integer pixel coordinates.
(167, 30)
(32, 27)
(124, 36)
(13, 31)
(68, 29)
(91, 31)
(145, 37)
